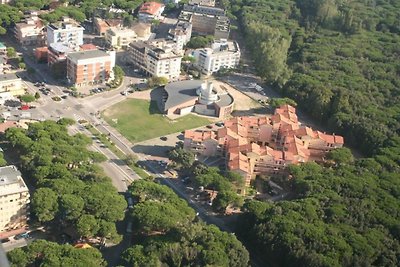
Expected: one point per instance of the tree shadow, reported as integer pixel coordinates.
(152, 150)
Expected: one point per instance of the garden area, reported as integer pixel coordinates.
(140, 120)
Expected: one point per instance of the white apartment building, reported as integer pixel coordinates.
(67, 32)
(222, 54)
(159, 57)
(181, 33)
(31, 31)
(14, 199)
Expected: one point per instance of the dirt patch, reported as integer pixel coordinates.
(145, 95)
(242, 101)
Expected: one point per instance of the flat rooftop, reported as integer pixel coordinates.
(8, 77)
(9, 175)
(181, 92)
(88, 54)
(60, 48)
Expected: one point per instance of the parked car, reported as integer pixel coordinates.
(130, 202)
(20, 236)
(5, 240)
(164, 138)
(24, 107)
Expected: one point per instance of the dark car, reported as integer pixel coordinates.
(164, 138)
(5, 240)
(20, 236)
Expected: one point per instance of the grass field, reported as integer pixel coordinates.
(140, 120)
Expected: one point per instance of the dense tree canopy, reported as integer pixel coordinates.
(181, 157)
(342, 216)
(342, 61)
(8, 15)
(69, 187)
(44, 253)
(170, 236)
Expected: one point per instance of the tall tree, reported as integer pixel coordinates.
(45, 204)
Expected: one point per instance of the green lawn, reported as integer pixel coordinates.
(140, 120)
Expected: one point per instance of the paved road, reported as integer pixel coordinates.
(86, 109)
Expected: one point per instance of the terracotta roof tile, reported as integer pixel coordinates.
(150, 8)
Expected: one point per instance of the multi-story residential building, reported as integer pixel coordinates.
(159, 57)
(90, 67)
(181, 33)
(31, 31)
(150, 11)
(121, 37)
(207, 20)
(11, 83)
(222, 54)
(102, 25)
(202, 2)
(14, 199)
(66, 32)
(263, 145)
(57, 52)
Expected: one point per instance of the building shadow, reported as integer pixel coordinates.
(250, 112)
(156, 103)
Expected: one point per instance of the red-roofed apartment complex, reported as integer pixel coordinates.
(263, 145)
(150, 11)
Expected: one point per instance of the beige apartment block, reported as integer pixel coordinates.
(159, 57)
(206, 20)
(121, 37)
(11, 83)
(14, 199)
(31, 31)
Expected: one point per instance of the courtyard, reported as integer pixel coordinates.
(140, 120)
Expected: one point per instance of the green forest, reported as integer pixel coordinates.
(45, 253)
(168, 233)
(339, 60)
(71, 190)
